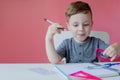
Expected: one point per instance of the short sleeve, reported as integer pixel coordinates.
(61, 49)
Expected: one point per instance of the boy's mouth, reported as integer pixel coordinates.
(81, 34)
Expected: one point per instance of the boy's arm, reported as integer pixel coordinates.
(51, 52)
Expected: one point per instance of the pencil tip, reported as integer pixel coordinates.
(45, 19)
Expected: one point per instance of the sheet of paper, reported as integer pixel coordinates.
(117, 67)
(99, 72)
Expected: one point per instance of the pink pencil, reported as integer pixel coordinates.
(49, 21)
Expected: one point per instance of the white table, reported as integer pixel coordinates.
(33, 72)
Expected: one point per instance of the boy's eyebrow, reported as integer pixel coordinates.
(75, 22)
(82, 22)
(86, 21)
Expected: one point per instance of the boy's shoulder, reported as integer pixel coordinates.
(94, 38)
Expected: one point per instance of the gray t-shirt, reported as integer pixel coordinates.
(80, 52)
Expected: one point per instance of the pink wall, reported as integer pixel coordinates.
(22, 29)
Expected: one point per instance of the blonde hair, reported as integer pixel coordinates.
(77, 7)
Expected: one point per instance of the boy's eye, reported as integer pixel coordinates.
(85, 24)
(75, 25)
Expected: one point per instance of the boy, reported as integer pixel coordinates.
(80, 48)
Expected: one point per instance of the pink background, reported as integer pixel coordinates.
(22, 29)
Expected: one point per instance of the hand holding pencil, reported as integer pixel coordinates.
(53, 28)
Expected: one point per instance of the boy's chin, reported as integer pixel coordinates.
(82, 39)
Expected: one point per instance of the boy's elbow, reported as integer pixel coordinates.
(53, 62)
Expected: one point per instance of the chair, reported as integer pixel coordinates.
(58, 38)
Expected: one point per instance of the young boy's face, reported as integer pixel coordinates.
(80, 25)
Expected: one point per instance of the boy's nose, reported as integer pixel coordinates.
(81, 28)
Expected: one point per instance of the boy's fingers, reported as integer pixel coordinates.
(106, 51)
(112, 53)
(113, 58)
(109, 51)
(58, 31)
(60, 27)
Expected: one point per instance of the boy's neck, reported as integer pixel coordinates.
(81, 41)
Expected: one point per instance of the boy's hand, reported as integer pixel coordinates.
(112, 51)
(53, 29)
